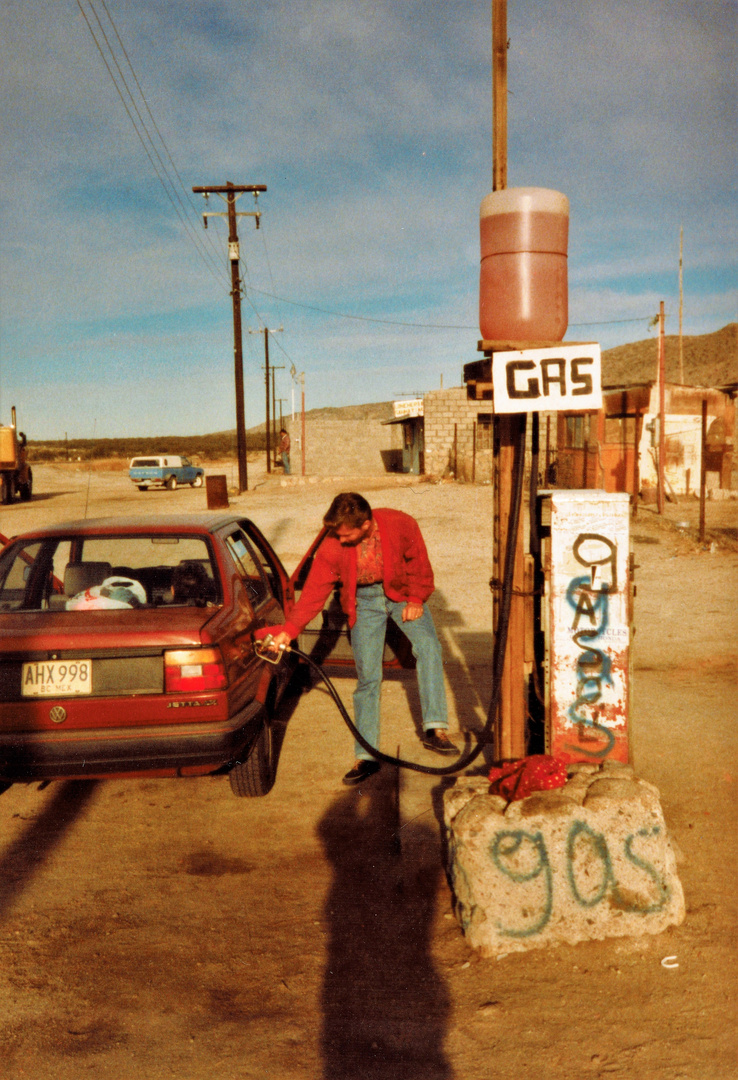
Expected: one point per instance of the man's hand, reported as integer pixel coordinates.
(278, 635)
(412, 611)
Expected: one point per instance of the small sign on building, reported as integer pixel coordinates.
(407, 409)
(566, 377)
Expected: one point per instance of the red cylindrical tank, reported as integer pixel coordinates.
(523, 290)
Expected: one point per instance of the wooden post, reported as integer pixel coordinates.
(510, 729)
(638, 425)
(499, 95)
(547, 473)
(661, 409)
(681, 305)
(302, 419)
(703, 470)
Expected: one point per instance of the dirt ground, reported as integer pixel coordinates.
(158, 929)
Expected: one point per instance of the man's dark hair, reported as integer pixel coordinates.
(348, 508)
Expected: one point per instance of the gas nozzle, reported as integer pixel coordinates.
(267, 649)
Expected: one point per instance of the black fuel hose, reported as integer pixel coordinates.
(503, 623)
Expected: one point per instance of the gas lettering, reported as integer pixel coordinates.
(553, 377)
(547, 379)
(511, 368)
(585, 869)
(582, 380)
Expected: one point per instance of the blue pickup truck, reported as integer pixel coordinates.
(166, 471)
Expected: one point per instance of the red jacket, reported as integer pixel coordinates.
(407, 572)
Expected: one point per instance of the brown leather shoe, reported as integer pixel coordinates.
(362, 770)
(437, 740)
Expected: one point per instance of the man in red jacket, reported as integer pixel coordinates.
(380, 559)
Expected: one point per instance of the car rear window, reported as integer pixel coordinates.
(145, 463)
(108, 573)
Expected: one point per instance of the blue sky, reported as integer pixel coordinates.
(370, 124)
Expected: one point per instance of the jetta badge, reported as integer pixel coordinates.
(58, 715)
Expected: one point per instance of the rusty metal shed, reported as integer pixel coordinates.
(616, 448)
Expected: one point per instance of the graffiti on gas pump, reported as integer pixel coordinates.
(588, 596)
(589, 626)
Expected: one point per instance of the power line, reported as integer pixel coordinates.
(360, 318)
(419, 326)
(182, 185)
(150, 147)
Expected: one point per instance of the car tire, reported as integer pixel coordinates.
(197, 482)
(171, 483)
(6, 494)
(256, 775)
(26, 490)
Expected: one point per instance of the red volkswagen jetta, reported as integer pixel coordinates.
(126, 649)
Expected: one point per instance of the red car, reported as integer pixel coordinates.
(126, 650)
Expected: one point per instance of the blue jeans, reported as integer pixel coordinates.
(373, 608)
(286, 463)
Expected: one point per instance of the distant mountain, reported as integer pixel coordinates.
(379, 410)
(708, 360)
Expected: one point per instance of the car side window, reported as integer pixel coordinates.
(266, 560)
(248, 568)
(15, 576)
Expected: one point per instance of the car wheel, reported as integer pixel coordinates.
(7, 488)
(197, 482)
(171, 483)
(26, 490)
(256, 775)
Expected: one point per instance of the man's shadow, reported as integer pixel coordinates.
(385, 1006)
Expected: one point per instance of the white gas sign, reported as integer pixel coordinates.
(564, 378)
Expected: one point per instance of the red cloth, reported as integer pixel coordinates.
(407, 572)
(538, 772)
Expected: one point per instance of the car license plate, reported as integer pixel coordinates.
(56, 678)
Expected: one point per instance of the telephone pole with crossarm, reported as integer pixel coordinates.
(230, 193)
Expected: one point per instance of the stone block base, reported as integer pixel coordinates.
(587, 861)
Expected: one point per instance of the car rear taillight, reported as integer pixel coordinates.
(190, 670)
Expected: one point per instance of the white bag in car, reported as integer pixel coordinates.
(114, 592)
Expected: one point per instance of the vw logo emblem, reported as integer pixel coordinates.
(58, 715)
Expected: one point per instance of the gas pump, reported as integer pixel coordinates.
(584, 616)
(568, 692)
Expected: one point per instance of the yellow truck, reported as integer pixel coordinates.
(16, 476)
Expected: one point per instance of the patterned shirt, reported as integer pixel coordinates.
(369, 566)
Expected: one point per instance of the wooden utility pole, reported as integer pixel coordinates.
(267, 385)
(703, 469)
(499, 95)
(662, 400)
(274, 368)
(268, 409)
(231, 192)
(681, 304)
(510, 728)
(302, 419)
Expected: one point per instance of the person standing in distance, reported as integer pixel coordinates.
(380, 559)
(284, 450)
